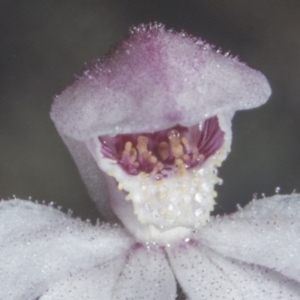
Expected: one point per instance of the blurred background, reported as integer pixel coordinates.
(43, 44)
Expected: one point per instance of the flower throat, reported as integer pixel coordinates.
(167, 152)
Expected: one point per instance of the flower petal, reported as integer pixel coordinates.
(92, 284)
(266, 232)
(40, 246)
(154, 80)
(204, 274)
(147, 275)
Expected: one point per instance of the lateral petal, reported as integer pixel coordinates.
(266, 232)
(40, 246)
(204, 274)
(93, 284)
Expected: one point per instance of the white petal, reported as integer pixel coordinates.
(266, 232)
(147, 275)
(94, 284)
(203, 274)
(40, 246)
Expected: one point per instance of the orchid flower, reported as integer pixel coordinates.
(147, 126)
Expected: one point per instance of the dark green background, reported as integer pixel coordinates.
(44, 43)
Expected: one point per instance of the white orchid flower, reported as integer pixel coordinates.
(147, 126)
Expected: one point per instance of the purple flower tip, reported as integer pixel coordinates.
(153, 80)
